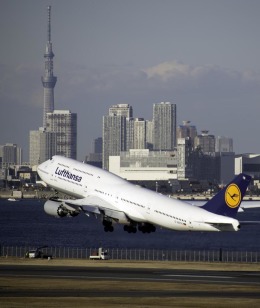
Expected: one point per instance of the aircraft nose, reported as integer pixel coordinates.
(42, 169)
(42, 166)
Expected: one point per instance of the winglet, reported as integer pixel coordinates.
(228, 200)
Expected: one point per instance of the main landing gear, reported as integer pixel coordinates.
(108, 227)
(130, 229)
(145, 228)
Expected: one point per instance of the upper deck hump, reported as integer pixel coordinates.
(89, 170)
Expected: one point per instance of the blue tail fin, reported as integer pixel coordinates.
(228, 200)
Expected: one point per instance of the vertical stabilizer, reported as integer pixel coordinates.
(228, 200)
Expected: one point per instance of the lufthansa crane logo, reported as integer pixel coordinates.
(233, 196)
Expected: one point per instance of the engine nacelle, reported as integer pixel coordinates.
(57, 209)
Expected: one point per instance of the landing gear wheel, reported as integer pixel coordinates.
(108, 226)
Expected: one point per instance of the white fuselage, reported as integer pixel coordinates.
(139, 204)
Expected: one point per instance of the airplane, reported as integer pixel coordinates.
(101, 193)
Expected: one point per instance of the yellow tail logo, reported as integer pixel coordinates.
(233, 196)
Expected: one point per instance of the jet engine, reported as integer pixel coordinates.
(58, 209)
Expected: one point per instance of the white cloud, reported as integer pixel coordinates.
(22, 84)
(202, 93)
(75, 82)
(168, 70)
(174, 70)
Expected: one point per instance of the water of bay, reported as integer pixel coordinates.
(24, 223)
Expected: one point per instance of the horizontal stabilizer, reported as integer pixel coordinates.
(249, 223)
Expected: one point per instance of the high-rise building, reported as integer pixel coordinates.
(187, 131)
(97, 145)
(114, 137)
(149, 135)
(135, 133)
(164, 121)
(129, 133)
(124, 110)
(115, 132)
(205, 142)
(224, 144)
(11, 154)
(64, 124)
(48, 80)
(95, 157)
(184, 149)
(139, 133)
(42, 146)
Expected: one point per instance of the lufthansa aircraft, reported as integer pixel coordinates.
(99, 192)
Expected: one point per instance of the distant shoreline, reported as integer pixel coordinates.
(17, 194)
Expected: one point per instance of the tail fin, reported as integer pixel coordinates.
(228, 200)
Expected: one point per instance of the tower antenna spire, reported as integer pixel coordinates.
(48, 80)
(49, 23)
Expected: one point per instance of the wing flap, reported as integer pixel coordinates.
(96, 205)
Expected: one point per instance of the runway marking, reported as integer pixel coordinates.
(177, 279)
(86, 277)
(198, 276)
(109, 277)
(169, 279)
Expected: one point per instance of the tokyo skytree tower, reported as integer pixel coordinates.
(48, 80)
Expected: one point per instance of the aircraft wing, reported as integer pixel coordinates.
(96, 205)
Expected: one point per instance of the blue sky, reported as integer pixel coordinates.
(202, 55)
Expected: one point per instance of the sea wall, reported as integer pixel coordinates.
(46, 194)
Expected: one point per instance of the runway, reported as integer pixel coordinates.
(113, 282)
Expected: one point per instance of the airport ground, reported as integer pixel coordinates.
(84, 283)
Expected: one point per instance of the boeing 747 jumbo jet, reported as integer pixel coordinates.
(99, 192)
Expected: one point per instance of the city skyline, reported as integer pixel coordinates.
(203, 56)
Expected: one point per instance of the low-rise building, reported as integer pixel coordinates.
(144, 165)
